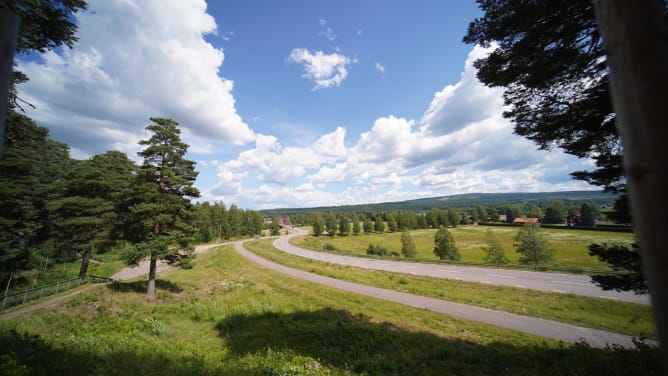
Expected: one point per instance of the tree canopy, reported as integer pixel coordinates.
(551, 62)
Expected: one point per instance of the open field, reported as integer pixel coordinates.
(227, 316)
(605, 314)
(570, 245)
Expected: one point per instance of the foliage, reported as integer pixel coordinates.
(318, 224)
(45, 25)
(445, 248)
(274, 228)
(367, 225)
(588, 215)
(162, 212)
(344, 225)
(376, 250)
(532, 245)
(379, 225)
(330, 223)
(494, 252)
(622, 259)
(551, 62)
(555, 213)
(407, 245)
(32, 174)
(356, 225)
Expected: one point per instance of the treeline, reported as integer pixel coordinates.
(331, 223)
(55, 209)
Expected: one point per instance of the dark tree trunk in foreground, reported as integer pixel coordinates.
(636, 42)
(150, 291)
(85, 260)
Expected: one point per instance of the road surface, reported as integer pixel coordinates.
(532, 325)
(542, 281)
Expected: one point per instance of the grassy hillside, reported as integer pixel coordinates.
(230, 317)
(463, 201)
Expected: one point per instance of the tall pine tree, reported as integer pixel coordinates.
(162, 210)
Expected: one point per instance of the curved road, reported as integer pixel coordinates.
(542, 281)
(532, 325)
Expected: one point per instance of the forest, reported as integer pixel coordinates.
(56, 209)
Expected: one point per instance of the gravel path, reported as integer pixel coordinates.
(540, 327)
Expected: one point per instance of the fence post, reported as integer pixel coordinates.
(24, 297)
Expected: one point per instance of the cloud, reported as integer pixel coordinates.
(326, 31)
(461, 144)
(380, 68)
(326, 70)
(466, 102)
(134, 60)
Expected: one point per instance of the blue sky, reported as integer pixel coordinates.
(294, 103)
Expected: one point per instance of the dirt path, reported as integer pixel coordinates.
(532, 325)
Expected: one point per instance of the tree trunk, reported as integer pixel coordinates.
(151, 277)
(635, 37)
(85, 260)
(9, 27)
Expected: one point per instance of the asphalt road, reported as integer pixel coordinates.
(542, 281)
(532, 325)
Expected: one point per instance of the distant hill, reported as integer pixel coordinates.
(463, 201)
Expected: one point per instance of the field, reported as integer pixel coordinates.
(227, 316)
(605, 314)
(570, 245)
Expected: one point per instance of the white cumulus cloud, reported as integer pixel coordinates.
(135, 59)
(325, 70)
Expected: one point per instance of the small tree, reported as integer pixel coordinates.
(344, 226)
(407, 245)
(274, 228)
(330, 224)
(356, 225)
(368, 226)
(532, 244)
(588, 214)
(445, 248)
(494, 253)
(318, 224)
(453, 217)
(379, 225)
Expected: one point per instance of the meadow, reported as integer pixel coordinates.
(570, 245)
(227, 316)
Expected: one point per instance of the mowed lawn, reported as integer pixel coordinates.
(570, 245)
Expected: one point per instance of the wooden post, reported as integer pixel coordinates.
(635, 37)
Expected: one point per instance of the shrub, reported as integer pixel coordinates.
(376, 250)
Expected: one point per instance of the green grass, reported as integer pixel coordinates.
(570, 245)
(620, 317)
(227, 316)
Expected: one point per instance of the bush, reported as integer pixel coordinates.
(329, 247)
(376, 250)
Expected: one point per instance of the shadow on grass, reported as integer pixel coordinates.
(24, 354)
(141, 286)
(339, 339)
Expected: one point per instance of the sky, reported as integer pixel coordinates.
(296, 103)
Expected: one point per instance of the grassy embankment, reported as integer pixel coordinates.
(605, 314)
(230, 317)
(570, 245)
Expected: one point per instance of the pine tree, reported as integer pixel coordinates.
(165, 188)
